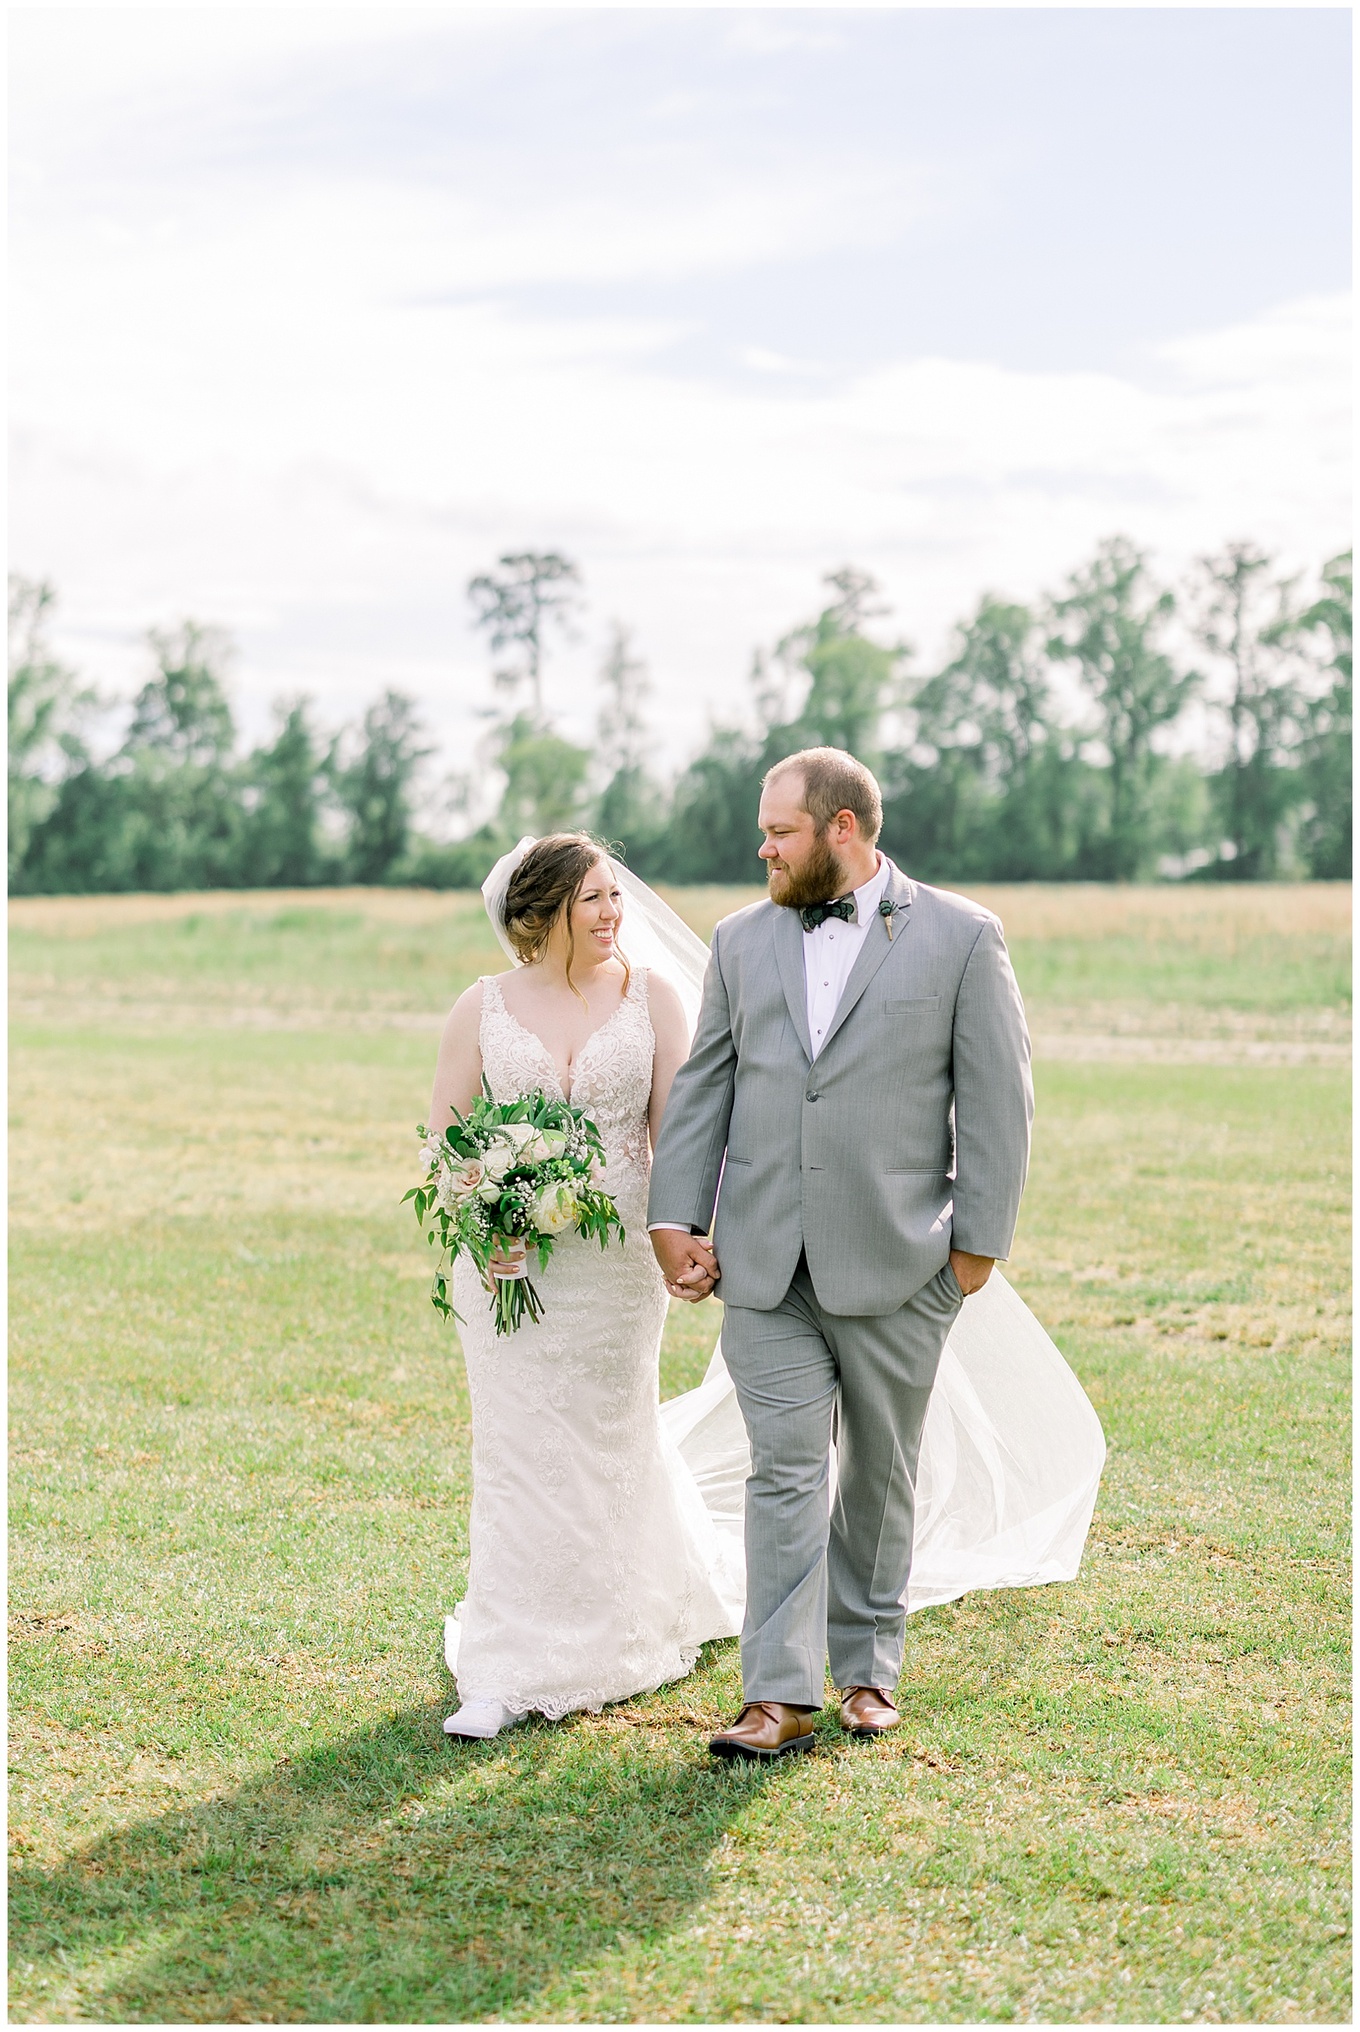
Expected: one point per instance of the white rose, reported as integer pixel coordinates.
(431, 1152)
(497, 1157)
(506, 1147)
(556, 1208)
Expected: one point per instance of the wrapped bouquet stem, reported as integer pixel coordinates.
(508, 1267)
(502, 1183)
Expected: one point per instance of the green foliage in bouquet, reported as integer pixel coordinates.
(503, 1182)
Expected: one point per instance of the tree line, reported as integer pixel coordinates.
(1050, 745)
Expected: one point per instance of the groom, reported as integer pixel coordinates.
(857, 1104)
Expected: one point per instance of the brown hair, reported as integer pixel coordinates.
(543, 888)
(834, 781)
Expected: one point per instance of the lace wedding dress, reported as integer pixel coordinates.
(597, 1567)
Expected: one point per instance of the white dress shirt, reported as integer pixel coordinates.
(831, 950)
(829, 953)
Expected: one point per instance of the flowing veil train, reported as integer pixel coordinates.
(1012, 1450)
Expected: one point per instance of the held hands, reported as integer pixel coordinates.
(971, 1271)
(688, 1264)
(691, 1269)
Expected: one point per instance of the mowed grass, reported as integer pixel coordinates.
(239, 1493)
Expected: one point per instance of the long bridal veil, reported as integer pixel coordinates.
(1012, 1450)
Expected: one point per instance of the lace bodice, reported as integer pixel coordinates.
(613, 1078)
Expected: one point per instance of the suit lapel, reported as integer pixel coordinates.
(875, 949)
(788, 947)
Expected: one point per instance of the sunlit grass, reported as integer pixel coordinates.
(239, 1503)
(1249, 947)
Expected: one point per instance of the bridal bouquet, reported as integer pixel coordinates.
(503, 1181)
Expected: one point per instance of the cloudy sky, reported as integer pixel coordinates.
(318, 310)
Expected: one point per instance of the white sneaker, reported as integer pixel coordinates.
(483, 1719)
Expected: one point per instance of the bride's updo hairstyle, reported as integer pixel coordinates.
(543, 888)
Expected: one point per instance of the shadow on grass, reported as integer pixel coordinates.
(391, 1876)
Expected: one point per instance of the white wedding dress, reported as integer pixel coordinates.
(597, 1571)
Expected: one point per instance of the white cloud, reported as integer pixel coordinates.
(331, 514)
(773, 34)
(308, 404)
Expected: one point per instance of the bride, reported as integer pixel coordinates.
(606, 1528)
(597, 1571)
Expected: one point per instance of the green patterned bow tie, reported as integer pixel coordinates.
(843, 907)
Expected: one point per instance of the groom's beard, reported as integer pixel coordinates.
(820, 878)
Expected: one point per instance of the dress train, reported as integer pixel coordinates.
(1009, 1469)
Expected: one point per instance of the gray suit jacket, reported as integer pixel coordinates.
(907, 1136)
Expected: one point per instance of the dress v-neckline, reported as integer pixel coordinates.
(599, 1030)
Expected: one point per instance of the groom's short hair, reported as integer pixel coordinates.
(834, 781)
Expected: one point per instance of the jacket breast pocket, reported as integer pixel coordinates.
(916, 1005)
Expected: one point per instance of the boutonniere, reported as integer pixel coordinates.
(887, 909)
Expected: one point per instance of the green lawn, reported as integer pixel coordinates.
(239, 1498)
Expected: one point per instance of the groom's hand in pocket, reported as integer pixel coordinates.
(971, 1271)
(688, 1264)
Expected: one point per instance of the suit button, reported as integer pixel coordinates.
(813, 1097)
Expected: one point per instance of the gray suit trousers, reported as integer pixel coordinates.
(820, 1586)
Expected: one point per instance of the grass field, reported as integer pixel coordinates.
(239, 1495)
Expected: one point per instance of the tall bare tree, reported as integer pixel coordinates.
(515, 604)
(621, 728)
(628, 809)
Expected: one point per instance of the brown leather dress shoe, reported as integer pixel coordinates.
(868, 1711)
(764, 1728)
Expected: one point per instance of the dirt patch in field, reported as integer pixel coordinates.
(1085, 1033)
(87, 1012)
(86, 916)
(1066, 910)
(1119, 1049)
(1181, 1033)
(1201, 913)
